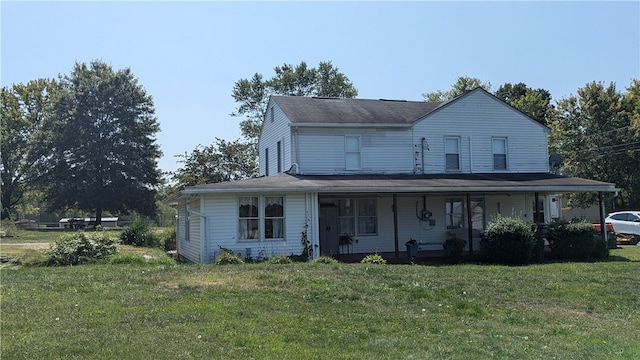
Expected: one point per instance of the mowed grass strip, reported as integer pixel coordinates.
(342, 311)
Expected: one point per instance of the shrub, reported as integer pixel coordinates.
(80, 248)
(373, 259)
(139, 234)
(601, 248)
(226, 258)
(325, 260)
(508, 241)
(571, 240)
(8, 228)
(279, 259)
(169, 239)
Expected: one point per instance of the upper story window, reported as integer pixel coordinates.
(499, 149)
(279, 154)
(452, 153)
(266, 161)
(352, 152)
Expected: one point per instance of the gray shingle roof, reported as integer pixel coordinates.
(407, 183)
(315, 110)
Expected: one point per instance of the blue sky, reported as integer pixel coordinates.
(188, 55)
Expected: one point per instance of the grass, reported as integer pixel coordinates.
(324, 311)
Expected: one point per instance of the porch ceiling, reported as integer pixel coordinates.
(407, 183)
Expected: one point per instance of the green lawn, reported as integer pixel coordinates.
(317, 311)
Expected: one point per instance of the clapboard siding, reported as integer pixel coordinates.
(189, 247)
(271, 133)
(476, 119)
(222, 227)
(322, 150)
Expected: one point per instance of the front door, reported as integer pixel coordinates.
(329, 230)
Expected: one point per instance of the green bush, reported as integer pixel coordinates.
(279, 259)
(325, 260)
(8, 228)
(508, 241)
(81, 248)
(373, 259)
(140, 234)
(168, 239)
(226, 258)
(601, 248)
(571, 240)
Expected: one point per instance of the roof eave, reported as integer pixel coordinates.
(349, 125)
(409, 189)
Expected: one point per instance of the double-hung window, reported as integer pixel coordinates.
(499, 149)
(261, 218)
(454, 213)
(274, 217)
(248, 219)
(452, 153)
(352, 152)
(358, 216)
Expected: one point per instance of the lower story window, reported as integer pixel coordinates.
(248, 218)
(454, 213)
(261, 217)
(358, 216)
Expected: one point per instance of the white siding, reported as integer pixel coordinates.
(188, 242)
(476, 119)
(271, 133)
(322, 150)
(222, 227)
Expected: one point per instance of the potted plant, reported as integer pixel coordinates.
(453, 247)
(412, 248)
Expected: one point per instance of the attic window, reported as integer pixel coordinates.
(271, 116)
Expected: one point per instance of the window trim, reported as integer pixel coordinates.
(356, 217)
(446, 163)
(357, 153)
(261, 218)
(505, 154)
(450, 214)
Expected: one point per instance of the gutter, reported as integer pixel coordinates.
(402, 189)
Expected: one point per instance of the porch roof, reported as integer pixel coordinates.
(408, 183)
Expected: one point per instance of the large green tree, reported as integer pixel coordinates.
(534, 102)
(97, 150)
(219, 162)
(23, 108)
(462, 85)
(252, 94)
(592, 131)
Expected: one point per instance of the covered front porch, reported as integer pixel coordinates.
(356, 223)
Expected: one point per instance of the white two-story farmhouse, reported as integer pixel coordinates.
(360, 176)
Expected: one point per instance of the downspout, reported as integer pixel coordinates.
(204, 232)
(296, 149)
(469, 224)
